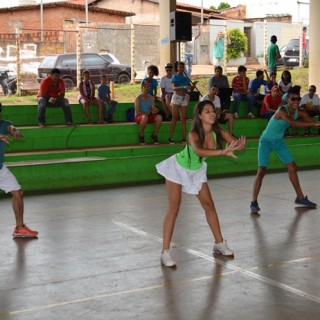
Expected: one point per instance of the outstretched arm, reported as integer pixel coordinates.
(306, 121)
(209, 151)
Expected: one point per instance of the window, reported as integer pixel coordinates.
(69, 61)
(92, 60)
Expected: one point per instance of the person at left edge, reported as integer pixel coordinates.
(9, 183)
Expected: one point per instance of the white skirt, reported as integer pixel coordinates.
(191, 180)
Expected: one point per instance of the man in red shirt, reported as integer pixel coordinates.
(51, 94)
(240, 84)
(271, 103)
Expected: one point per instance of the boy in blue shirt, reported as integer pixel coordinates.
(104, 96)
(8, 182)
(254, 89)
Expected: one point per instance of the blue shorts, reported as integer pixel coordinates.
(266, 146)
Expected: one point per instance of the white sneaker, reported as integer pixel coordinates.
(250, 115)
(166, 259)
(235, 115)
(222, 248)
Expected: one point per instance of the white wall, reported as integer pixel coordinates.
(218, 25)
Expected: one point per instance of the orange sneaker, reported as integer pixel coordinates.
(24, 232)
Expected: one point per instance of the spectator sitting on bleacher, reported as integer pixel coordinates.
(152, 71)
(271, 103)
(273, 82)
(223, 116)
(240, 84)
(146, 113)
(87, 97)
(254, 95)
(285, 82)
(222, 82)
(52, 94)
(104, 96)
(310, 103)
(166, 86)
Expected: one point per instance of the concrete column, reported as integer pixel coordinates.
(314, 47)
(167, 48)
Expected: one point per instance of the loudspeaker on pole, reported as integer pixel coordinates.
(180, 26)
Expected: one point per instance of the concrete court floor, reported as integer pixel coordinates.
(97, 256)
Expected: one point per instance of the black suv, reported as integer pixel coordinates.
(291, 54)
(93, 62)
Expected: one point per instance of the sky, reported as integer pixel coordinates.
(259, 8)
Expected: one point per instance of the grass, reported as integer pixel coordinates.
(128, 92)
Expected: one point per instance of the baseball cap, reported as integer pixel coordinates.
(168, 66)
(275, 88)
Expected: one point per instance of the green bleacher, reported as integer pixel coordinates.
(59, 157)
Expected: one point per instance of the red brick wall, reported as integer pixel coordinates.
(53, 18)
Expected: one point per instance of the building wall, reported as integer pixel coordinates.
(53, 18)
(147, 12)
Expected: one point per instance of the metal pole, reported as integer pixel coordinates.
(87, 13)
(18, 33)
(225, 39)
(133, 56)
(201, 12)
(78, 52)
(41, 20)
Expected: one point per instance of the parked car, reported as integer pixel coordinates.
(280, 62)
(291, 55)
(110, 57)
(95, 63)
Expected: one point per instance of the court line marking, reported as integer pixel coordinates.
(112, 294)
(199, 254)
(247, 273)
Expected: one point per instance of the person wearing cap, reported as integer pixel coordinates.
(167, 88)
(273, 54)
(9, 183)
(271, 103)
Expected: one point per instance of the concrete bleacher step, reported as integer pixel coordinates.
(116, 165)
(60, 157)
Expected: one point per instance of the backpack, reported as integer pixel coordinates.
(130, 114)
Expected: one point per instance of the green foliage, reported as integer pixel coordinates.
(224, 5)
(238, 45)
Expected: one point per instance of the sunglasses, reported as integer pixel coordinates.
(312, 90)
(168, 69)
(295, 99)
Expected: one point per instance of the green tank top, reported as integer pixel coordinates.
(188, 159)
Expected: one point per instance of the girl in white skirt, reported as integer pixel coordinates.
(186, 172)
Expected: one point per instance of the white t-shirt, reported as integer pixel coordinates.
(166, 83)
(284, 87)
(216, 101)
(188, 46)
(308, 101)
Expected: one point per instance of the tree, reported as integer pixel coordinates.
(223, 5)
(238, 45)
